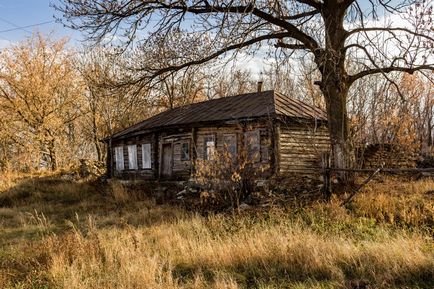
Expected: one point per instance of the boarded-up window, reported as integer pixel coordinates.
(209, 145)
(146, 156)
(230, 143)
(132, 157)
(185, 151)
(119, 158)
(252, 142)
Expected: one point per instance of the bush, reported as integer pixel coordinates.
(228, 180)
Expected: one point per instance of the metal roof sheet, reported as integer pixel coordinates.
(243, 106)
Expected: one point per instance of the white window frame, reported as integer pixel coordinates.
(146, 156)
(132, 157)
(119, 158)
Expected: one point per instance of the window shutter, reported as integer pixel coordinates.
(119, 157)
(132, 157)
(146, 155)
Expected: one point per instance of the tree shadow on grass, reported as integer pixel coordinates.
(255, 272)
(59, 204)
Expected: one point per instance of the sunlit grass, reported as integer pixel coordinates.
(64, 234)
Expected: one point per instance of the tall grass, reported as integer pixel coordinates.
(141, 245)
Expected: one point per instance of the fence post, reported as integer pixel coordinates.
(325, 159)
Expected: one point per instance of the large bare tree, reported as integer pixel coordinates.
(329, 31)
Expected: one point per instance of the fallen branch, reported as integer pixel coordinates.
(348, 200)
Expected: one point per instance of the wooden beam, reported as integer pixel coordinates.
(276, 152)
(155, 155)
(193, 145)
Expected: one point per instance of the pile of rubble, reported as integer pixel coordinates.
(266, 194)
(388, 156)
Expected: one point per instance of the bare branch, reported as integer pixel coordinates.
(389, 69)
(214, 55)
(390, 30)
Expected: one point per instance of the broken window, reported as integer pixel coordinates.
(132, 157)
(209, 147)
(252, 142)
(146, 156)
(119, 158)
(230, 143)
(185, 151)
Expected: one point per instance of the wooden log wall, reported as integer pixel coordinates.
(140, 173)
(266, 145)
(301, 146)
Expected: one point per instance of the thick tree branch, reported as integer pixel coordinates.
(312, 3)
(389, 69)
(301, 15)
(294, 32)
(390, 30)
(158, 72)
(290, 45)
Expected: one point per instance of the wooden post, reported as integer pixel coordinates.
(193, 151)
(276, 148)
(325, 157)
(155, 156)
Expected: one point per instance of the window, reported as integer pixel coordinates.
(209, 147)
(185, 151)
(119, 158)
(146, 156)
(132, 157)
(230, 143)
(253, 145)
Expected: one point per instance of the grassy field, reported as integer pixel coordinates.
(69, 234)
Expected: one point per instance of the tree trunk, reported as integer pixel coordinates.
(342, 152)
(52, 155)
(335, 85)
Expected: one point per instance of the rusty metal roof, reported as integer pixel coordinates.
(238, 107)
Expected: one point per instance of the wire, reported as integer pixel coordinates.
(22, 27)
(15, 25)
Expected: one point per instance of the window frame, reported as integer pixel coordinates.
(234, 145)
(253, 153)
(119, 158)
(206, 139)
(149, 156)
(132, 165)
(183, 157)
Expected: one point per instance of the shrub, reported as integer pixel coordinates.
(230, 180)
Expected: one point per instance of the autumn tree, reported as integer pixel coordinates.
(40, 98)
(328, 31)
(108, 107)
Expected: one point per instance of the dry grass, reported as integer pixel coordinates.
(140, 245)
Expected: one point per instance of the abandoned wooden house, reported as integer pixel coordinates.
(283, 135)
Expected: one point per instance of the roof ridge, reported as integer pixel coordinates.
(310, 107)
